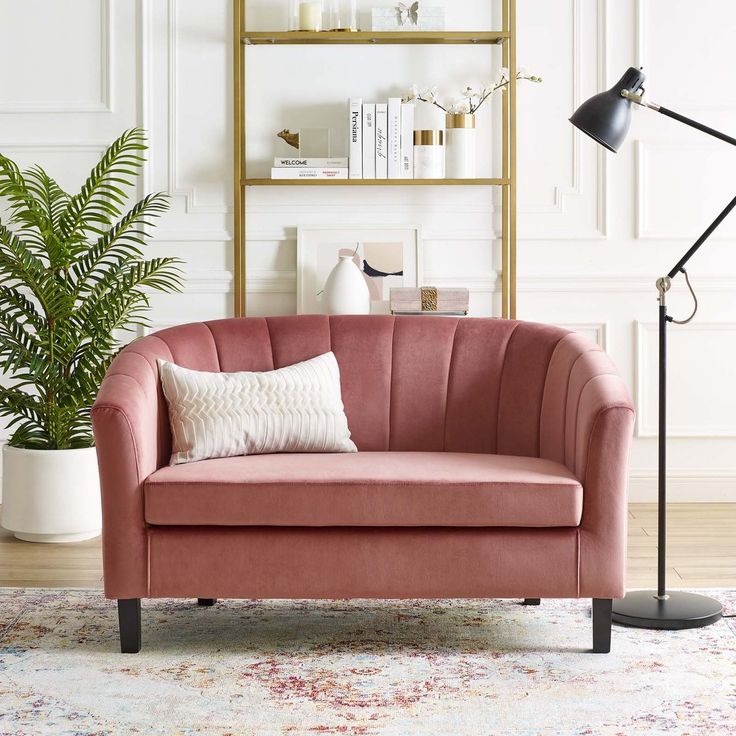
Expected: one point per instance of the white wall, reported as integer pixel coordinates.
(596, 229)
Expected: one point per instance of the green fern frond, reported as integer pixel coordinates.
(101, 199)
(25, 209)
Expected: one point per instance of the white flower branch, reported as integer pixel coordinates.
(471, 99)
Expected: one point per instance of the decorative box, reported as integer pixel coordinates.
(429, 300)
(399, 19)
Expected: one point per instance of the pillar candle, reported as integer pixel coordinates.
(310, 16)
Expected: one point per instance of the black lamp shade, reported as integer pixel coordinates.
(606, 117)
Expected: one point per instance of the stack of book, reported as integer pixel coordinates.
(310, 168)
(380, 146)
(381, 139)
(429, 300)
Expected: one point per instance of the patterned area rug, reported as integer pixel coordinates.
(475, 668)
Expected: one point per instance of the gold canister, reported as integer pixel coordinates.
(429, 137)
(459, 120)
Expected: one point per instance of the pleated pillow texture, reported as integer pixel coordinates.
(294, 409)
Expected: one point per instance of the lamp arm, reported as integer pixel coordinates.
(695, 124)
(638, 99)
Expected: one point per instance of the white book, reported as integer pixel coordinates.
(407, 140)
(369, 140)
(355, 137)
(315, 163)
(394, 138)
(308, 173)
(381, 140)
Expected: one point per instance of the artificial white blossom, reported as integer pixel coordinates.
(412, 94)
(472, 98)
(429, 95)
(461, 106)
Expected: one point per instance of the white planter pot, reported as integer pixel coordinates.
(51, 495)
(346, 291)
(460, 147)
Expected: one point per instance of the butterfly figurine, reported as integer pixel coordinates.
(408, 13)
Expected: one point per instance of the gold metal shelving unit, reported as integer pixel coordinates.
(506, 37)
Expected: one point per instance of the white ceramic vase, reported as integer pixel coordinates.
(346, 291)
(460, 146)
(51, 495)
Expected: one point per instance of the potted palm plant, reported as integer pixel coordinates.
(72, 277)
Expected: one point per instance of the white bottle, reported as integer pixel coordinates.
(460, 153)
(429, 154)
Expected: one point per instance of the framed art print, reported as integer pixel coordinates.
(387, 256)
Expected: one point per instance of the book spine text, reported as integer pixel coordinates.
(369, 140)
(355, 137)
(394, 138)
(308, 173)
(381, 141)
(407, 140)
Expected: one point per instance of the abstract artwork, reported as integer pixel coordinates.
(387, 256)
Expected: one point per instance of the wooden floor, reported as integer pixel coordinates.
(701, 552)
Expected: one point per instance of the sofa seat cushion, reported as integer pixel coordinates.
(366, 489)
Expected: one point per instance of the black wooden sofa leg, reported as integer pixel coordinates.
(206, 601)
(129, 619)
(531, 601)
(602, 625)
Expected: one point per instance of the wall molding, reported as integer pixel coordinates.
(561, 194)
(145, 86)
(646, 426)
(641, 27)
(104, 104)
(57, 145)
(642, 229)
(175, 189)
(599, 328)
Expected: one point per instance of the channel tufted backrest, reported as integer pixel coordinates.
(418, 383)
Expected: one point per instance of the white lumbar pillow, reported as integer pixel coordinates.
(294, 409)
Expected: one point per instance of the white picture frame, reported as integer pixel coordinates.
(318, 248)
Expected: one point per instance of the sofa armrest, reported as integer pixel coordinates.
(606, 433)
(131, 428)
(599, 420)
(586, 424)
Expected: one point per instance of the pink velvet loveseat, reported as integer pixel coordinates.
(492, 464)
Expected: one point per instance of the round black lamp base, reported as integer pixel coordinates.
(642, 609)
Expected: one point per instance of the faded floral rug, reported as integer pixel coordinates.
(456, 668)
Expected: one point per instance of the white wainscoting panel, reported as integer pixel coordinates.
(701, 379)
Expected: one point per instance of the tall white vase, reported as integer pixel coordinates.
(460, 148)
(51, 495)
(346, 291)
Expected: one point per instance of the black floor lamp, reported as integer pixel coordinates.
(606, 118)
